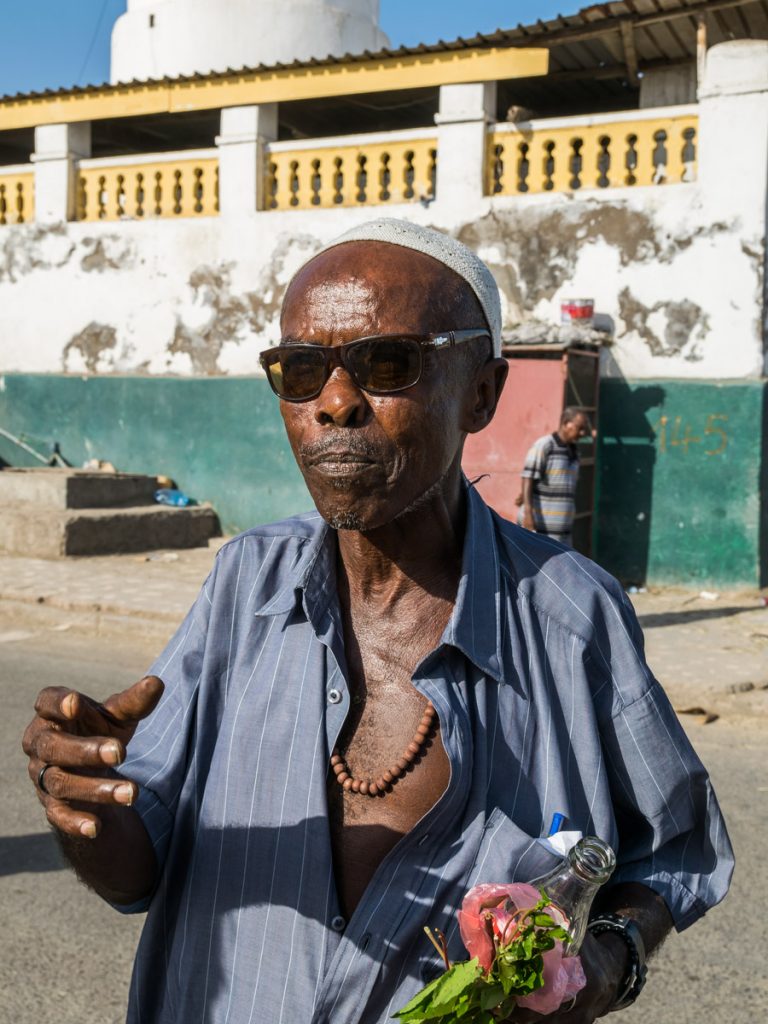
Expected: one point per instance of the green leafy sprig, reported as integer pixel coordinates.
(466, 994)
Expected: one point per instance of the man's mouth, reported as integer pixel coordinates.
(340, 457)
(339, 463)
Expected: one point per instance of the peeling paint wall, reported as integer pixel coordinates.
(682, 290)
(93, 346)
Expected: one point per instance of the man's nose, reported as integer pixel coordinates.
(341, 401)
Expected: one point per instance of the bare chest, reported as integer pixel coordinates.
(389, 735)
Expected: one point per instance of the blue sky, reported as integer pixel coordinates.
(53, 43)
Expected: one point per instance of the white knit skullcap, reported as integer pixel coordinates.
(441, 247)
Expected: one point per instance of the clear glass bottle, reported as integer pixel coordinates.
(573, 885)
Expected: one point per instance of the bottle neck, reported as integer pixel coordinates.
(592, 861)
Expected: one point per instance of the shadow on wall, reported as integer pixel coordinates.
(626, 463)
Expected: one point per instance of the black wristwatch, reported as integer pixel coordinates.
(633, 981)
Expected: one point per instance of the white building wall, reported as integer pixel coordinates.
(677, 270)
(202, 297)
(155, 38)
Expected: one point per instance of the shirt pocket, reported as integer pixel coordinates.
(506, 853)
(509, 854)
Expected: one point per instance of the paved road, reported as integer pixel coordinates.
(65, 957)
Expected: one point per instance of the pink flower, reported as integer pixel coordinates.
(563, 978)
(487, 912)
(489, 918)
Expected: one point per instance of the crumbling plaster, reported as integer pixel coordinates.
(682, 290)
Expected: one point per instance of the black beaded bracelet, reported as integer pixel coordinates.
(634, 980)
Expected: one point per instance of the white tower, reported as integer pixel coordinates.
(155, 38)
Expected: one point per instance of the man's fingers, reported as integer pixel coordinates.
(50, 703)
(63, 706)
(63, 785)
(71, 710)
(50, 746)
(136, 702)
(71, 821)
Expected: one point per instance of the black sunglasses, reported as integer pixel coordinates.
(380, 365)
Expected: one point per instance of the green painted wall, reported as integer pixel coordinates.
(221, 439)
(682, 465)
(682, 492)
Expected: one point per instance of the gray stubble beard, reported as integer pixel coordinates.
(353, 520)
(346, 521)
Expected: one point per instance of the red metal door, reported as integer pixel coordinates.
(530, 407)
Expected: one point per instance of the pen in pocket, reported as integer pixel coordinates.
(557, 823)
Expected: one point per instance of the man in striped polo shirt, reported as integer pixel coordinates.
(550, 476)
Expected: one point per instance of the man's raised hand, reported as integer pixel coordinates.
(78, 741)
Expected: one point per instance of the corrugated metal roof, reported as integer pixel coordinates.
(595, 39)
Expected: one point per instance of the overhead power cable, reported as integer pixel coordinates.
(92, 43)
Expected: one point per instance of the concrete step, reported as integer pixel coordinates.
(75, 488)
(54, 533)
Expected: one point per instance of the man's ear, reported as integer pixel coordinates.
(483, 395)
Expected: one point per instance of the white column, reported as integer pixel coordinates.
(58, 147)
(462, 121)
(244, 132)
(733, 133)
(733, 150)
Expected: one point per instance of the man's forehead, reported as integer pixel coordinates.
(322, 304)
(420, 258)
(380, 263)
(359, 280)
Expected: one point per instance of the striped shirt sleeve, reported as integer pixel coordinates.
(157, 756)
(672, 837)
(536, 459)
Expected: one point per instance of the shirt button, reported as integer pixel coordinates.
(338, 923)
(334, 696)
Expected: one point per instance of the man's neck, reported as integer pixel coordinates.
(418, 552)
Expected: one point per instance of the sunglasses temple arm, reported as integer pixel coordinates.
(452, 338)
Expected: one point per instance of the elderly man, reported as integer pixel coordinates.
(376, 705)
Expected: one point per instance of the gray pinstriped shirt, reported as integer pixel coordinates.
(545, 702)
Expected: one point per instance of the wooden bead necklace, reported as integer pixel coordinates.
(387, 779)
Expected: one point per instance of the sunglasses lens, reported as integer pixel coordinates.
(385, 364)
(297, 373)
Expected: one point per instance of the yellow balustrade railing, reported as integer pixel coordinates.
(368, 174)
(17, 196)
(178, 187)
(595, 154)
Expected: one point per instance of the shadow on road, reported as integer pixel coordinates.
(653, 620)
(36, 852)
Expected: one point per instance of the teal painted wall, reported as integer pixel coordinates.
(682, 482)
(681, 465)
(221, 439)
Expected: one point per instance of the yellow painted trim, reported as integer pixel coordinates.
(372, 174)
(385, 74)
(525, 162)
(17, 198)
(145, 191)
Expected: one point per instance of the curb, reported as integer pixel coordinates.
(86, 607)
(91, 618)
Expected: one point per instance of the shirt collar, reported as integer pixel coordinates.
(475, 626)
(312, 577)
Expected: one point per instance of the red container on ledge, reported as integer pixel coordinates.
(577, 311)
